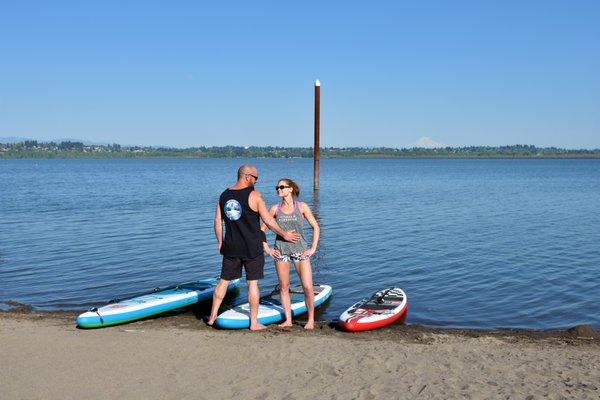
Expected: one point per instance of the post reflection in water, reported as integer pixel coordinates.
(318, 259)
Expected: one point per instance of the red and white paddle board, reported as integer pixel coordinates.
(383, 308)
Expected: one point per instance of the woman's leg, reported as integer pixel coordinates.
(305, 273)
(283, 275)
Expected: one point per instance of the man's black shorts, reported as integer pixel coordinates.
(232, 267)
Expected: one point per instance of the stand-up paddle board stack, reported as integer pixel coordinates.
(270, 310)
(383, 308)
(156, 302)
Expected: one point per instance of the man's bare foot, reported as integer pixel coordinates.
(257, 327)
(211, 322)
(309, 325)
(286, 324)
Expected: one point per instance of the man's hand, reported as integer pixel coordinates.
(291, 236)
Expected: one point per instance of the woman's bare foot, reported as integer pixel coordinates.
(286, 324)
(310, 325)
(257, 327)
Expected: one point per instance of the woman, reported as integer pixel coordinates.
(290, 215)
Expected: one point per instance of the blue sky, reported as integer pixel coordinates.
(217, 73)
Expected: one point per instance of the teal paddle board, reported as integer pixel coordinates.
(156, 302)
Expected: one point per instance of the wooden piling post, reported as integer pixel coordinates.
(317, 144)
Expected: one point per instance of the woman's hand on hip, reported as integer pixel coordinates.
(308, 253)
(274, 253)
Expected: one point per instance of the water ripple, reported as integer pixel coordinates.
(475, 243)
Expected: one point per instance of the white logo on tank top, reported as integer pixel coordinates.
(233, 210)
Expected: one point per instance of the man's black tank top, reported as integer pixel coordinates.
(242, 225)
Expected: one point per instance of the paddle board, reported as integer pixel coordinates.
(383, 308)
(146, 305)
(270, 310)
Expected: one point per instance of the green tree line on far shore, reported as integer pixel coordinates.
(73, 149)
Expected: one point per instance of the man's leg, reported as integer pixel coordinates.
(231, 269)
(254, 271)
(218, 296)
(253, 299)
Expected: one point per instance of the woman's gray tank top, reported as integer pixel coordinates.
(290, 222)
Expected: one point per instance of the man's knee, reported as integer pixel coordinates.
(221, 289)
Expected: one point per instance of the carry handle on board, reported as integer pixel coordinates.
(379, 299)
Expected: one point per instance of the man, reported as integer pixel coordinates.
(241, 208)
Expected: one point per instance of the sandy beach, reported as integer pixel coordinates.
(44, 356)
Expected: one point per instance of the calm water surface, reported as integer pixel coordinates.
(474, 243)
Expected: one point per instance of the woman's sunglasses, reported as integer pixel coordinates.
(281, 187)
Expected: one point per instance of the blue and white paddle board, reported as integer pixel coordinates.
(155, 302)
(270, 310)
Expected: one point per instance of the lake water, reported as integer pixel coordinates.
(474, 243)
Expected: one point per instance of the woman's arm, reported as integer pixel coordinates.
(307, 213)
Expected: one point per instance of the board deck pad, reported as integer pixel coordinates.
(296, 294)
(385, 300)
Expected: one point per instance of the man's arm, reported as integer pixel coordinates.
(272, 252)
(257, 201)
(218, 227)
(263, 226)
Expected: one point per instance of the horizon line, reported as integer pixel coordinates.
(91, 143)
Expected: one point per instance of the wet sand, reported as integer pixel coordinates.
(44, 356)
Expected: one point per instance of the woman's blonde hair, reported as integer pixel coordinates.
(293, 185)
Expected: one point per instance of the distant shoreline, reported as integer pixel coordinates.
(595, 157)
(77, 150)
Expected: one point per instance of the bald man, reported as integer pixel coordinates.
(241, 207)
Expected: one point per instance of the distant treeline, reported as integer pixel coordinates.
(69, 149)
